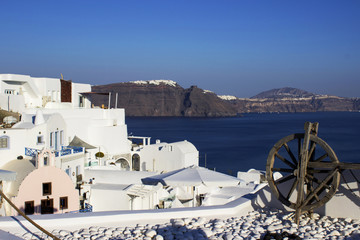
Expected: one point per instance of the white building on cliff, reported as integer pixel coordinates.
(58, 121)
(18, 92)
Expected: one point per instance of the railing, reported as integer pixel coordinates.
(31, 152)
(88, 208)
(78, 149)
(68, 150)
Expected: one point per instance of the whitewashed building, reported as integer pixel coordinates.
(58, 122)
(162, 156)
(39, 134)
(39, 188)
(18, 92)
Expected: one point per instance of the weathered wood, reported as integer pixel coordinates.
(332, 165)
(313, 193)
(310, 181)
(309, 128)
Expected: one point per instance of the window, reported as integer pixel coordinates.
(46, 188)
(46, 161)
(29, 207)
(51, 139)
(136, 162)
(9, 91)
(77, 170)
(81, 101)
(4, 142)
(40, 139)
(68, 171)
(61, 137)
(63, 203)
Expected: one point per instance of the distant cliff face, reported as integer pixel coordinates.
(294, 100)
(286, 92)
(315, 104)
(163, 98)
(166, 98)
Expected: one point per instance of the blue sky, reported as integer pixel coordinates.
(235, 47)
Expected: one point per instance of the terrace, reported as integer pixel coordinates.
(65, 150)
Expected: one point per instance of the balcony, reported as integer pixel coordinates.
(65, 150)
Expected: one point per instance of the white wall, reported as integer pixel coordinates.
(14, 103)
(14, 82)
(112, 197)
(334, 208)
(38, 91)
(21, 138)
(109, 200)
(17, 141)
(73, 221)
(70, 165)
(113, 140)
(167, 156)
(104, 128)
(79, 88)
(21, 85)
(49, 87)
(56, 124)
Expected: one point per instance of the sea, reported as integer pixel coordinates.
(235, 144)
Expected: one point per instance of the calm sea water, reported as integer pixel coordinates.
(238, 144)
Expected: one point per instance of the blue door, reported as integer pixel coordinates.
(56, 141)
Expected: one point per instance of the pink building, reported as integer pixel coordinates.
(40, 188)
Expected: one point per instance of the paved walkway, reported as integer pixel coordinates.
(5, 235)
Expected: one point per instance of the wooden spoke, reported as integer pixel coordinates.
(309, 182)
(284, 179)
(293, 187)
(299, 148)
(282, 170)
(291, 154)
(312, 190)
(318, 188)
(317, 181)
(285, 160)
(321, 158)
(312, 150)
(318, 170)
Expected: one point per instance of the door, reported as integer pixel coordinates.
(56, 140)
(47, 206)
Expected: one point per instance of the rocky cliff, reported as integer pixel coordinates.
(294, 100)
(163, 98)
(166, 98)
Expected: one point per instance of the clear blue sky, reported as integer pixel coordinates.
(235, 47)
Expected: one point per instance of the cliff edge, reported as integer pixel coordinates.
(165, 98)
(162, 98)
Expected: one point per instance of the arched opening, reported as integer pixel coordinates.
(46, 160)
(122, 163)
(136, 162)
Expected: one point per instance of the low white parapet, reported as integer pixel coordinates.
(74, 221)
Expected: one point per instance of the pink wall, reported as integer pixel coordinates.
(62, 186)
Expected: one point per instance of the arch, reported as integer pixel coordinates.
(136, 162)
(122, 163)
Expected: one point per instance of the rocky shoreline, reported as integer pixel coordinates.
(260, 224)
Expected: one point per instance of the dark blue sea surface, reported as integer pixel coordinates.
(238, 144)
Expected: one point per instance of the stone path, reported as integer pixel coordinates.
(252, 226)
